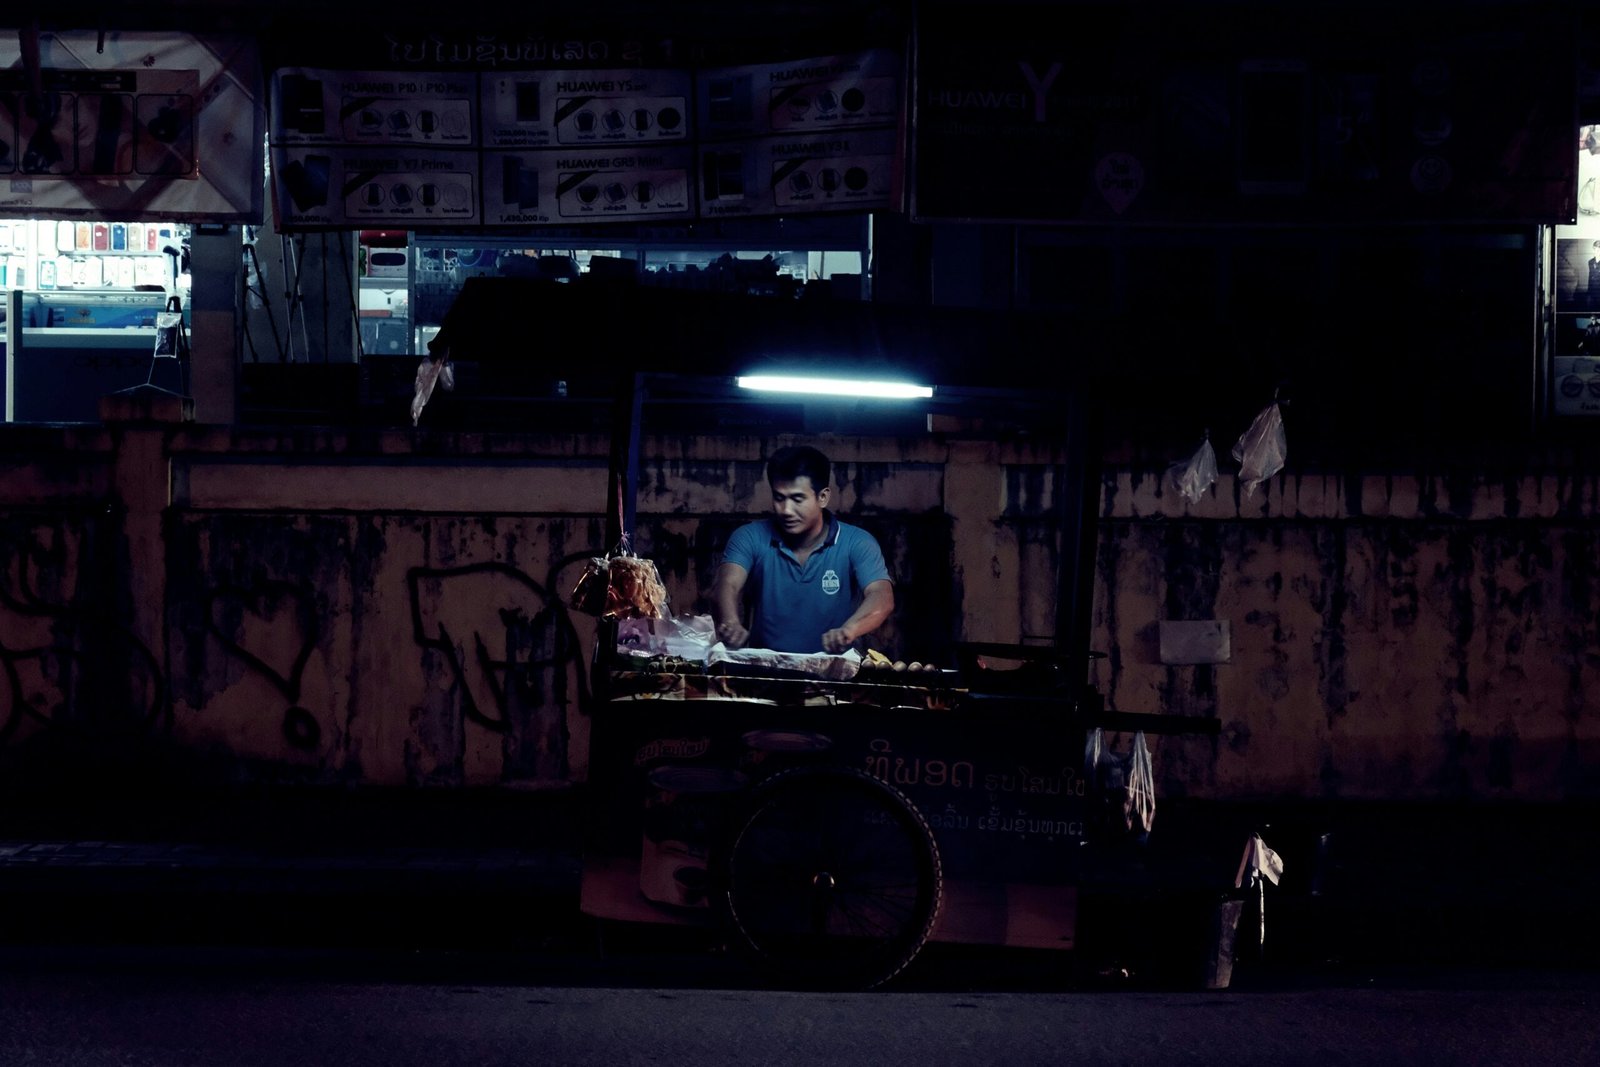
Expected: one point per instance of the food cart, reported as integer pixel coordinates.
(832, 828)
(832, 817)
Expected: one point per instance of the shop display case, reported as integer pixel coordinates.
(89, 293)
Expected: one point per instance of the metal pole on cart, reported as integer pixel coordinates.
(622, 488)
(1078, 512)
(623, 475)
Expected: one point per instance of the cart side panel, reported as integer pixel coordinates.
(1003, 795)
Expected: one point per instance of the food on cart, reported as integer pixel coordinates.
(839, 668)
(877, 661)
(635, 589)
(620, 585)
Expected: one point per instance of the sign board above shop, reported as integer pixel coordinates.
(131, 125)
(500, 148)
(1240, 113)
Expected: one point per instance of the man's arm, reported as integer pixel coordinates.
(877, 604)
(725, 602)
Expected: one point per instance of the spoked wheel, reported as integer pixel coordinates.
(832, 878)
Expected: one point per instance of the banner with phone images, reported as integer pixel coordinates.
(119, 124)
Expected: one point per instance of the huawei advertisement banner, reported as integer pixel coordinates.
(831, 93)
(562, 147)
(581, 185)
(856, 170)
(373, 188)
(539, 109)
(1212, 114)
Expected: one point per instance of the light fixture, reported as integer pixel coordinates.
(777, 383)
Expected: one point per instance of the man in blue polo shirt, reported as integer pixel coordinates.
(815, 583)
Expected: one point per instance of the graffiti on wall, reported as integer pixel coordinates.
(513, 654)
(271, 625)
(62, 660)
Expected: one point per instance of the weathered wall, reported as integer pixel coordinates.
(380, 609)
(386, 609)
(1416, 636)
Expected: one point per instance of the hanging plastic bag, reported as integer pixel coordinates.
(430, 373)
(686, 636)
(1124, 784)
(1262, 449)
(1139, 808)
(168, 326)
(620, 585)
(589, 594)
(1192, 478)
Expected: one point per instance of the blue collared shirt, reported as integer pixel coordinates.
(794, 604)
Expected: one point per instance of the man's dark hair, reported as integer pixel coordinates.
(794, 461)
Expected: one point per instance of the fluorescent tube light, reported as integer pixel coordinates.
(775, 383)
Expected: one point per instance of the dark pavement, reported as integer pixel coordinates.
(495, 873)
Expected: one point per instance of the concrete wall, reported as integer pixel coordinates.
(1399, 636)
(386, 608)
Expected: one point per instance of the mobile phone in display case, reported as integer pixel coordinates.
(102, 237)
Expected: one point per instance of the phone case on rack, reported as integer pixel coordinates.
(119, 237)
(47, 274)
(102, 237)
(64, 236)
(135, 237)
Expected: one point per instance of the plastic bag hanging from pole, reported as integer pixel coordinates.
(169, 329)
(431, 372)
(1262, 449)
(620, 585)
(1193, 478)
(1124, 785)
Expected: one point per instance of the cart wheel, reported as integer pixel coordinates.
(831, 878)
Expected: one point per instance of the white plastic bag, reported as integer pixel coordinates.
(1125, 784)
(685, 636)
(169, 329)
(1192, 478)
(430, 373)
(1262, 449)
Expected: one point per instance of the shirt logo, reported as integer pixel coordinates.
(830, 582)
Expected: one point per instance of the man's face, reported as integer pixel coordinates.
(798, 508)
